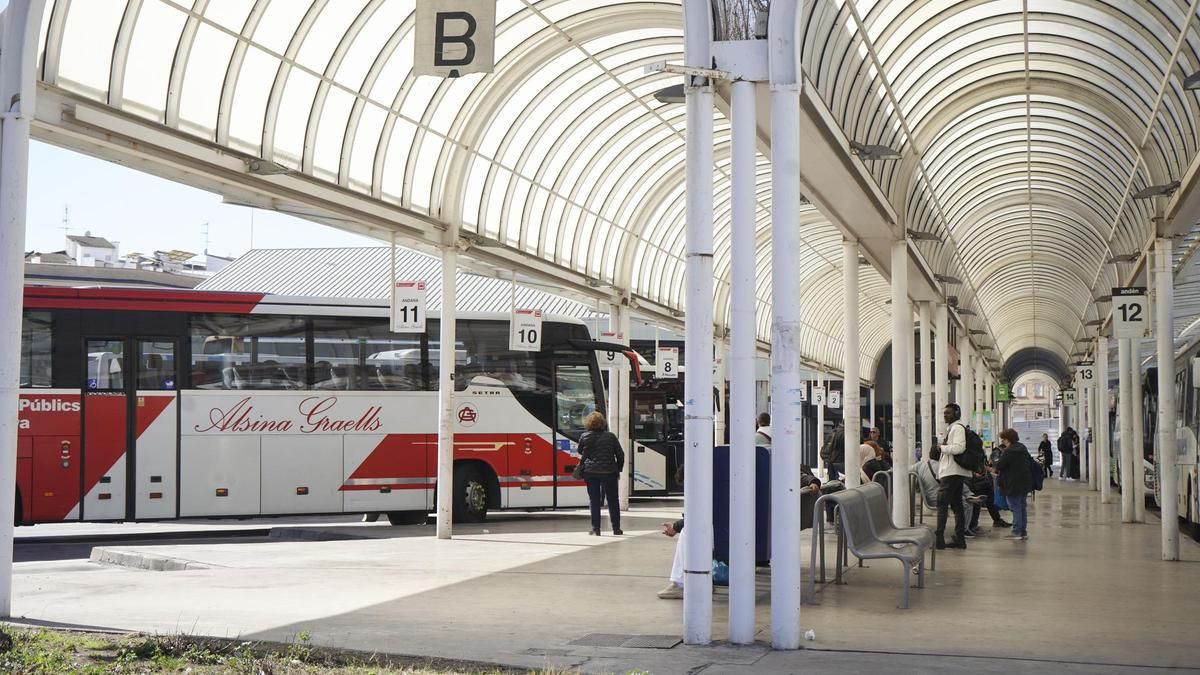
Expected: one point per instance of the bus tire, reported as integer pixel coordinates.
(471, 491)
(407, 517)
(18, 511)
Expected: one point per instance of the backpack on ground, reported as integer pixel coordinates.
(972, 459)
(1038, 473)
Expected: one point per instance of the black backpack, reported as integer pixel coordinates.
(972, 459)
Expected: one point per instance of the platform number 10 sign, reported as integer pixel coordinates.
(525, 330)
(1131, 312)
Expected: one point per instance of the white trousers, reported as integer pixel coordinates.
(677, 563)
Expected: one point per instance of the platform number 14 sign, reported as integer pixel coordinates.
(1131, 312)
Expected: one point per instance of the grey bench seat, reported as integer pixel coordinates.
(862, 541)
(886, 530)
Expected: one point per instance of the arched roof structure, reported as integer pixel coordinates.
(1026, 129)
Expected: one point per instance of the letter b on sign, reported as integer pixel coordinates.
(455, 37)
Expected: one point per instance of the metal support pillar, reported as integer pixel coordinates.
(1081, 426)
(720, 377)
(618, 398)
(19, 22)
(743, 338)
(910, 413)
(821, 429)
(1164, 331)
(1125, 400)
(927, 412)
(966, 391)
(1139, 435)
(851, 403)
(698, 329)
(786, 419)
(1104, 438)
(871, 405)
(941, 367)
(447, 338)
(902, 330)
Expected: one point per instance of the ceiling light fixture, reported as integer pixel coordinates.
(917, 235)
(1163, 190)
(262, 167)
(869, 152)
(976, 331)
(671, 94)
(1192, 82)
(965, 311)
(1124, 258)
(947, 279)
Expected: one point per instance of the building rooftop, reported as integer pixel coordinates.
(94, 242)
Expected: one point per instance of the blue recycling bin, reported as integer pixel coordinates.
(762, 505)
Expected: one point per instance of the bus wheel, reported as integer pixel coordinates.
(470, 494)
(18, 515)
(407, 517)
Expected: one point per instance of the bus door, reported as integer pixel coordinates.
(648, 426)
(574, 399)
(130, 428)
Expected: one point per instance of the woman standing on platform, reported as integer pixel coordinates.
(1016, 482)
(603, 460)
(1046, 455)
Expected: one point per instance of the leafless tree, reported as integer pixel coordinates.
(735, 19)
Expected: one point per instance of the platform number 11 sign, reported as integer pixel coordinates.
(1131, 312)
(408, 307)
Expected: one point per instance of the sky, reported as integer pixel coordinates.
(146, 213)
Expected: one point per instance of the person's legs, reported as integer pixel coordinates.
(595, 490)
(954, 489)
(1020, 514)
(611, 493)
(674, 590)
(943, 506)
(975, 510)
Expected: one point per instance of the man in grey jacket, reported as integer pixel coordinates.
(952, 477)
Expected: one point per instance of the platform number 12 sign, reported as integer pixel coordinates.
(1131, 312)
(525, 330)
(408, 307)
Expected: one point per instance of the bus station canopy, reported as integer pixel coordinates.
(1039, 142)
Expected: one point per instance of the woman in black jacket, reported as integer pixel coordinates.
(1016, 481)
(1046, 455)
(603, 460)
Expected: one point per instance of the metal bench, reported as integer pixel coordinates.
(886, 530)
(860, 539)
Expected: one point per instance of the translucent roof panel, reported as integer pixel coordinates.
(1024, 136)
(562, 153)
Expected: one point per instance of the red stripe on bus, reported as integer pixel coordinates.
(40, 297)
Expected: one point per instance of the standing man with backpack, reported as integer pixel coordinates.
(952, 476)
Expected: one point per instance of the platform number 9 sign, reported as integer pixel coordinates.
(1131, 312)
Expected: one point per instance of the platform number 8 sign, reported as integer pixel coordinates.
(668, 363)
(1131, 312)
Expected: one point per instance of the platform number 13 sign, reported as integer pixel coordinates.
(1131, 312)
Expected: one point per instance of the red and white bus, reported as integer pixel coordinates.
(156, 404)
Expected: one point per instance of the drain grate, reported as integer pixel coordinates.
(627, 641)
(601, 640)
(652, 641)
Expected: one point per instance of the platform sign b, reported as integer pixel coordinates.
(455, 37)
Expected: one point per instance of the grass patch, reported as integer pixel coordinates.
(40, 651)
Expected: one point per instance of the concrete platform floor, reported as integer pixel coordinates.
(1085, 594)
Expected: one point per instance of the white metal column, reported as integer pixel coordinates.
(720, 377)
(821, 429)
(447, 338)
(786, 406)
(1091, 402)
(902, 330)
(871, 405)
(618, 398)
(1103, 452)
(851, 402)
(1139, 433)
(941, 370)
(966, 401)
(1168, 469)
(741, 395)
(1125, 400)
(927, 412)
(20, 23)
(698, 329)
(910, 413)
